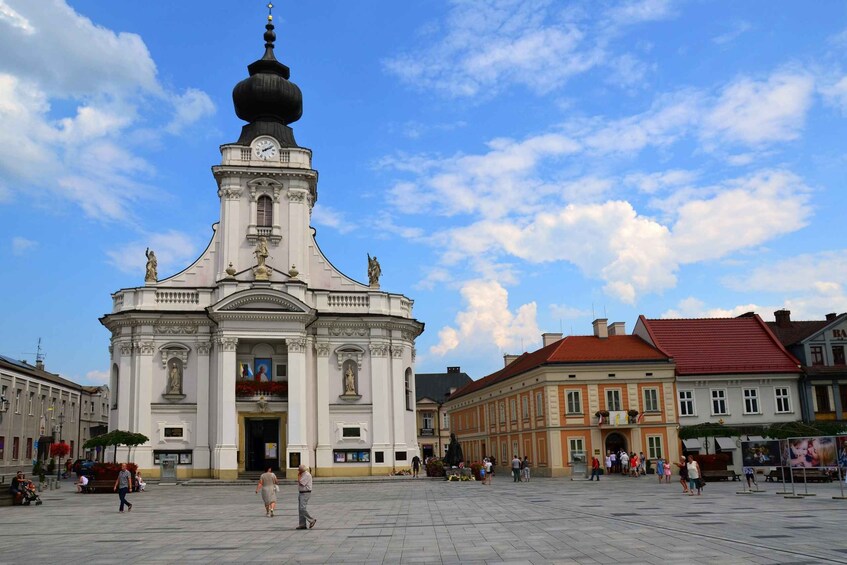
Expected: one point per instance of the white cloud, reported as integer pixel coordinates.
(692, 307)
(331, 218)
(795, 274)
(487, 46)
(96, 378)
(733, 33)
(487, 320)
(835, 94)
(565, 312)
(762, 112)
(652, 183)
(173, 251)
(189, 108)
(68, 104)
(639, 11)
(20, 245)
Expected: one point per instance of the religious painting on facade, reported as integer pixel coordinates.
(810, 452)
(262, 370)
(766, 453)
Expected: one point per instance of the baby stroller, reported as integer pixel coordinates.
(30, 495)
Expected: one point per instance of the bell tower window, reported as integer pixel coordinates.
(265, 213)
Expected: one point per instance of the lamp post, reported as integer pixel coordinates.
(59, 437)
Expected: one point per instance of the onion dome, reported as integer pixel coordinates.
(267, 99)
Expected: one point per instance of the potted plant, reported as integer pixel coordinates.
(633, 416)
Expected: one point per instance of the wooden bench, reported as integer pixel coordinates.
(99, 486)
(720, 475)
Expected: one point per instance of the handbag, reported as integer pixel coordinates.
(276, 488)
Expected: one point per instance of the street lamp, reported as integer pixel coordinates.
(59, 438)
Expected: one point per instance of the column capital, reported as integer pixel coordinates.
(322, 348)
(203, 348)
(378, 349)
(296, 345)
(397, 351)
(226, 343)
(144, 347)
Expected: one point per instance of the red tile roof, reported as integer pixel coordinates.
(703, 346)
(572, 350)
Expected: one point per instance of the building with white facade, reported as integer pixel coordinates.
(730, 371)
(262, 354)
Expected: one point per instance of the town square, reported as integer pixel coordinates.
(508, 281)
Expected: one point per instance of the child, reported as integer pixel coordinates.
(660, 469)
(668, 472)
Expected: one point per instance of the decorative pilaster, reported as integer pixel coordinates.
(297, 400)
(324, 447)
(225, 453)
(230, 224)
(143, 388)
(398, 401)
(124, 387)
(380, 392)
(201, 459)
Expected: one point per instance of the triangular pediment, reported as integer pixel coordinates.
(261, 300)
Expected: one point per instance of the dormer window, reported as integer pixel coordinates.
(265, 212)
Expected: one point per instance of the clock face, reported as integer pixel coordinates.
(265, 149)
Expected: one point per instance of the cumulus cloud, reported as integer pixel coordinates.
(173, 250)
(20, 245)
(486, 320)
(835, 94)
(69, 97)
(736, 29)
(692, 307)
(96, 378)
(331, 218)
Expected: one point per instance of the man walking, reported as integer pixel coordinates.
(595, 469)
(416, 466)
(122, 484)
(516, 468)
(304, 485)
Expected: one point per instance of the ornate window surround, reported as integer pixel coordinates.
(273, 189)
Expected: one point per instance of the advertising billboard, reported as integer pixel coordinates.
(763, 453)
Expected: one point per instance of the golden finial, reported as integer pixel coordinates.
(270, 7)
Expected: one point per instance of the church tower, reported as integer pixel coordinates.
(260, 353)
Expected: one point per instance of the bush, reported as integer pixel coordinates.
(109, 471)
(435, 468)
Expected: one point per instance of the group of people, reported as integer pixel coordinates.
(520, 469)
(24, 490)
(632, 464)
(269, 487)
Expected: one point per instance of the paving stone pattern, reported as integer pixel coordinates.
(617, 520)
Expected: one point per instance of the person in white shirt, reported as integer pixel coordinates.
(81, 483)
(304, 486)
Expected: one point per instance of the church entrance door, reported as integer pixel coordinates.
(615, 442)
(261, 444)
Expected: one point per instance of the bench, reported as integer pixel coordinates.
(811, 475)
(99, 486)
(9, 499)
(720, 475)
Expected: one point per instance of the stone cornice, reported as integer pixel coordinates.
(252, 173)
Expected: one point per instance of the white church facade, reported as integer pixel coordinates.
(262, 354)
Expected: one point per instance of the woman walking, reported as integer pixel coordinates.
(683, 474)
(268, 483)
(693, 476)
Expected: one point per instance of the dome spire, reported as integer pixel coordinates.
(267, 99)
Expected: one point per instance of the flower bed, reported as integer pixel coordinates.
(260, 388)
(109, 471)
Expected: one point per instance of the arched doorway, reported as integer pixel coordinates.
(616, 442)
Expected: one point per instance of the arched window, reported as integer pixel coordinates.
(410, 401)
(265, 214)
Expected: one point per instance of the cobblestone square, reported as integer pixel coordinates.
(616, 520)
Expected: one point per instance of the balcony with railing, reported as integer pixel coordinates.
(424, 432)
(270, 390)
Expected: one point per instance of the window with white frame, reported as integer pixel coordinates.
(751, 401)
(574, 402)
(654, 447)
(613, 399)
(502, 409)
(264, 212)
(686, 403)
(18, 401)
(445, 421)
(719, 402)
(426, 420)
(31, 402)
(515, 448)
(525, 407)
(576, 445)
(539, 404)
(783, 400)
(410, 399)
(513, 410)
(651, 400)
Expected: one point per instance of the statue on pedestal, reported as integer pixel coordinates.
(349, 381)
(260, 271)
(454, 452)
(151, 276)
(374, 271)
(174, 380)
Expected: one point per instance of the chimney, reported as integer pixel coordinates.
(831, 316)
(600, 328)
(549, 338)
(454, 369)
(617, 328)
(509, 359)
(783, 318)
(39, 364)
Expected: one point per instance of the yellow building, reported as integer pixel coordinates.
(547, 404)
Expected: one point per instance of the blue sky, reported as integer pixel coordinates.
(517, 166)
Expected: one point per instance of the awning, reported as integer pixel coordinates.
(692, 444)
(753, 438)
(725, 443)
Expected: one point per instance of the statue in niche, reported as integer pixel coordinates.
(374, 271)
(174, 380)
(349, 381)
(261, 251)
(454, 452)
(151, 275)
